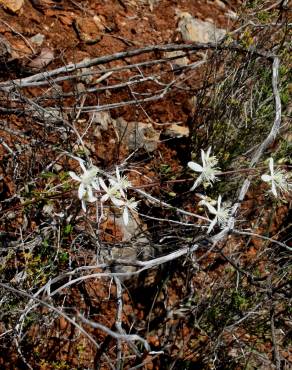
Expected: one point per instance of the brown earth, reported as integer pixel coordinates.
(158, 305)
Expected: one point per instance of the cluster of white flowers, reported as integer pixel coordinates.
(114, 188)
(208, 175)
(116, 191)
(208, 172)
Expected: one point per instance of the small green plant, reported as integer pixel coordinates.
(68, 229)
(63, 257)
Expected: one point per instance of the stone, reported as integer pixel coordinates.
(138, 243)
(101, 122)
(195, 30)
(181, 61)
(12, 5)
(88, 29)
(137, 135)
(37, 39)
(177, 131)
(57, 167)
(45, 57)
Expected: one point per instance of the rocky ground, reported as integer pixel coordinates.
(143, 85)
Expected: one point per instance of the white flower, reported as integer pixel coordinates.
(208, 170)
(207, 199)
(221, 213)
(276, 179)
(88, 182)
(111, 193)
(121, 183)
(129, 205)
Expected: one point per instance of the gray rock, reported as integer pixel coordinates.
(37, 39)
(177, 131)
(195, 30)
(137, 135)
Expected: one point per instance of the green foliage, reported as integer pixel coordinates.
(68, 229)
(56, 365)
(63, 257)
(238, 301)
(165, 169)
(48, 175)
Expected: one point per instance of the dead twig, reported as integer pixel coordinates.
(7, 147)
(9, 85)
(240, 232)
(50, 307)
(128, 338)
(274, 340)
(20, 35)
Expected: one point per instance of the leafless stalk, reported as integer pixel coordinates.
(119, 324)
(166, 205)
(131, 53)
(141, 265)
(128, 338)
(119, 321)
(21, 354)
(19, 34)
(50, 307)
(241, 232)
(6, 146)
(275, 345)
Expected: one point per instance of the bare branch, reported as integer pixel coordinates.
(124, 337)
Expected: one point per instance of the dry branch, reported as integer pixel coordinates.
(9, 85)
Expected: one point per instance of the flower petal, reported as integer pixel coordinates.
(90, 197)
(126, 216)
(103, 185)
(208, 152)
(196, 183)
(211, 209)
(274, 191)
(117, 202)
(266, 178)
(203, 156)
(81, 191)
(212, 224)
(81, 164)
(195, 167)
(83, 205)
(219, 202)
(104, 198)
(113, 182)
(118, 173)
(95, 184)
(122, 193)
(271, 165)
(74, 176)
(132, 204)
